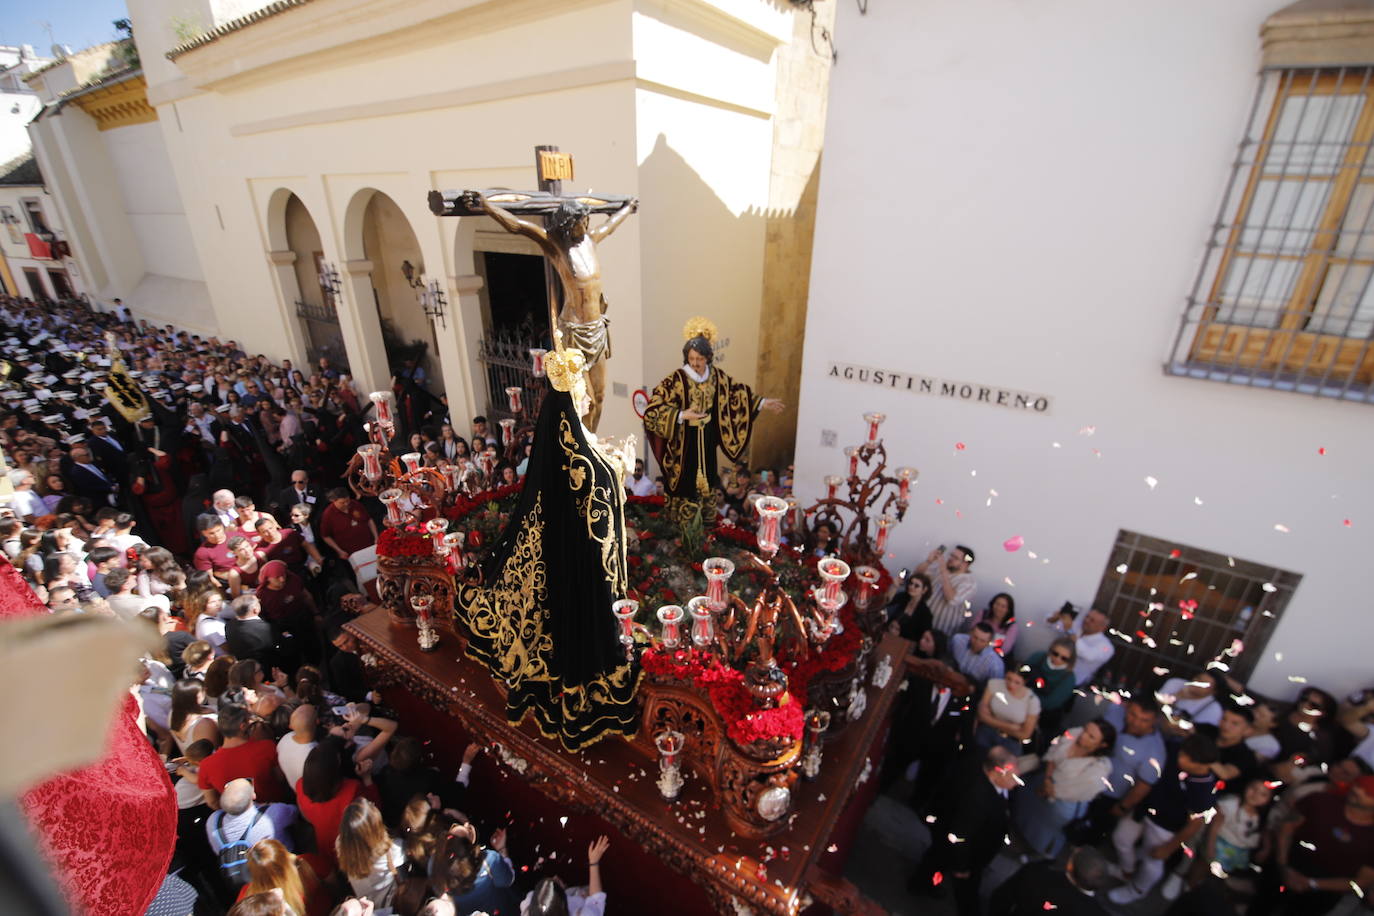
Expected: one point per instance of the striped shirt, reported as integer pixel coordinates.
(949, 615)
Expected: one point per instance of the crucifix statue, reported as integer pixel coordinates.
(569, 243)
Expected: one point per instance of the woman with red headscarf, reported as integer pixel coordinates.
(288, 607)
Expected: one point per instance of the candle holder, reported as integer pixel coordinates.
(395, 515)
(537, 355)
(508, 428)
(885, 525)
(625, 610)
(817, 721)
(372, 461)
(453, 475)
(833, 482)
(513, 398)
(435, 528)
(384, 403)
(488, 464)
(905, 477)
(670, 615)
(771, 510)
(424, 620)
(867, 583)
(830, 596)
(703, 625)
(874, 420)
(852, 453)
(412, 461)
(669, 744)
(718, 571)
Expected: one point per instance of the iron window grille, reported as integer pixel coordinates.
(1174, 609)
(1283, 297)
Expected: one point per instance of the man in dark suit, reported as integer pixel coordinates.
(970, 828)
(300, 491)
(86, 478)
(248, 635)
(1040, 887)
(110, 453)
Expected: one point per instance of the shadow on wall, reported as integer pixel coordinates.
(691, 241)
(748, 273)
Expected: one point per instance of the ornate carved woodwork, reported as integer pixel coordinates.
(693, 837)
(400, 578)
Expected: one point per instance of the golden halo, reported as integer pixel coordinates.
(699, 326)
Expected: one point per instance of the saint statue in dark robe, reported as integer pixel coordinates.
(692, 413)
(541, 621)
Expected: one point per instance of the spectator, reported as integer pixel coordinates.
(272, 866)
(974, 656)
(908, 615)
(1236, 763)
(1137, 762)
(471, 877)
(196, 659)
(244, 575)
(247, 635)
(1307, 731)
(1001, 614)
(345, 668)
(1075, 772)
(1355, 716)
(1051, 676)
(1261, 739)
(368, 856)
(324, 793)
(1236, 836)
(1174, 810)
(406, 778)
(103, 559)
(1094, 647)
(954, 586)
(1188, 704)
(205, 617)
(240, 820)
(968, 831)
(240, 756)
(1040, 887)
(213, 555)
(295, 746)
(345, 526)
(190, 719)
(1321, 853)
(550, 898)
(1007, 713)
(640, 484)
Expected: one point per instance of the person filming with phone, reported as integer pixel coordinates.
(954, 586)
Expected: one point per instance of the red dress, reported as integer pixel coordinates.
(326, 816)
(350, 529)
(108, 829)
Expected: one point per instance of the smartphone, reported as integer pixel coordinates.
(942, 548)
(902, 574)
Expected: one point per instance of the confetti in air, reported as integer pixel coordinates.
(959, 446)
(1322, 450)
(1122, 569)
(1087, 430)
(1007, 579)
(1151, 482)
(1283, 529)
(1013, 543)
(1197, 500)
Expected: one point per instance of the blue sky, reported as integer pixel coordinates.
(79, 23)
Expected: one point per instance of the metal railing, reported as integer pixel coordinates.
(1174, 608)
(507, 363)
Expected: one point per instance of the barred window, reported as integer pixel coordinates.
(1175, 608)
(1283, 298)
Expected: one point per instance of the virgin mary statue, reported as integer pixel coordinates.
(541, 621)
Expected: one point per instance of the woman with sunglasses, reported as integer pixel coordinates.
(1050, 675)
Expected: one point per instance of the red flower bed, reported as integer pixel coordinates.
(744, 722)
(404, 542)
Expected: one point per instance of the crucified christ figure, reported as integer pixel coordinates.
(570, 243)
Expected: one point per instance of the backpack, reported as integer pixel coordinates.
(233, 856)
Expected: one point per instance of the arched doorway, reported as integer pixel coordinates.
(389, 244)
(315, 308)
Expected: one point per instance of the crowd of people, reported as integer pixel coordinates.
(1221, 800)
(218, 514)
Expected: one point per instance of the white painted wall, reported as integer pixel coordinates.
(1018, 194)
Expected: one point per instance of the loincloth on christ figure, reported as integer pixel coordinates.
(593, 337)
